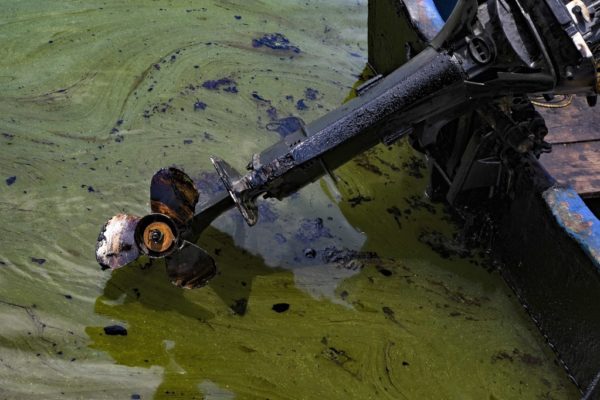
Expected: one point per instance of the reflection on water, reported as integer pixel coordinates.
(337, 293)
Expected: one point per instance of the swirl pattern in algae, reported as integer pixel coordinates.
(337, 293)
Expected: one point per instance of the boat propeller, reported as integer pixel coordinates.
(160, 234)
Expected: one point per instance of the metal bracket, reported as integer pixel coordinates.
(238, 190)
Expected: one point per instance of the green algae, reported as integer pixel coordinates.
(96, 96)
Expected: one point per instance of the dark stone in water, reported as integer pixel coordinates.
(115, 330)
(10, 180)
(275, 41)
(280, 307)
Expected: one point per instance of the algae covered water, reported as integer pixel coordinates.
(346, 290)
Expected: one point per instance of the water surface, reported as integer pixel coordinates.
(96, 96)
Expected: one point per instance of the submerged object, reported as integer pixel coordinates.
(460, 90)
(161, 234)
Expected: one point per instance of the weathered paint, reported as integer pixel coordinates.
(575, 217)
(425, 16)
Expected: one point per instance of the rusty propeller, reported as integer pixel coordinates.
(173, 199)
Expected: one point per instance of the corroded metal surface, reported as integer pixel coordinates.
(116, 242)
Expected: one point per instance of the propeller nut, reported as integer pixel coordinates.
(156, 235)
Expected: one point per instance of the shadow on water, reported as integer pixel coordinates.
(168, 326)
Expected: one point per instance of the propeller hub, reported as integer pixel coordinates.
(157, 235)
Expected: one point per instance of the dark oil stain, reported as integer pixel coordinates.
(280, 239)
(280, 307)
(286, 126)
(364, 162)
(346, 258)
(311, 230)
(417, 203)
(275, 41)
(267, 213)
(240, 306)
(358, 200)
(309, 252)
(224, 84)
(414, 166)
(444, 246)
(516, 354)
(199, 105)
(397, 214)
(311, 94)
(258, 97)
(301, 105)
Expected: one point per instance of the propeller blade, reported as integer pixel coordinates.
(116, 245)
(174, 194)
(190, 267)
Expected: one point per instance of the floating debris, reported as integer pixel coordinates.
(311, 94)
(224, 84)
(115, 330)
(10, 180)
(280, 307)
(199, 105)
(301, 105)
